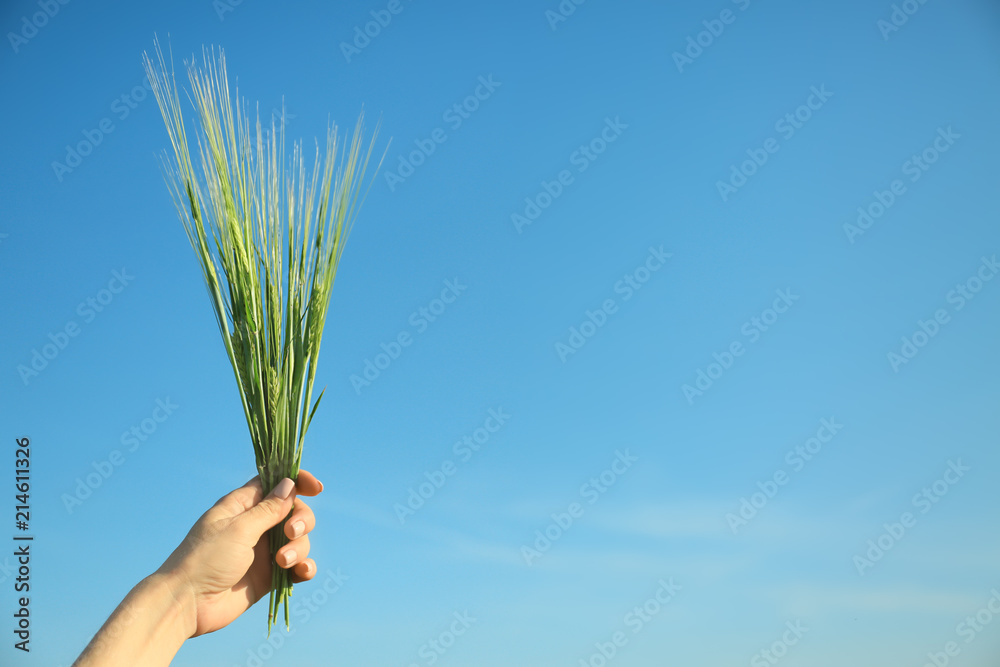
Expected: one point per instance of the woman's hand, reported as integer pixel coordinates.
(219, 571)
(223, 566)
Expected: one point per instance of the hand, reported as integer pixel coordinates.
(223, 566)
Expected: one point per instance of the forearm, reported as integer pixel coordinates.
(147, 628)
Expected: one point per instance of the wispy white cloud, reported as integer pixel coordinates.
(675, 520)
(811, 599)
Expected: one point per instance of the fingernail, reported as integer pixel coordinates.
(284, 489)
(298, 528)
(290, 556)
(320, 486)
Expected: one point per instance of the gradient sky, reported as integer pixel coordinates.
(635, 142)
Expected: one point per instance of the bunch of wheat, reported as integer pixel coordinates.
(269, 242)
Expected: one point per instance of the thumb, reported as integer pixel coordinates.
(270, 511)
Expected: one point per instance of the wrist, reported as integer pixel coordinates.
(181, 620)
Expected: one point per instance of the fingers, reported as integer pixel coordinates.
(307, 484)
(294, 556)
(244, 497)
(254, 514)
(251, 493)
(301, 521)
(269, 511)
(293, 553)
(304, 571)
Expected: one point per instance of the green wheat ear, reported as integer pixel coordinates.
(268, 240)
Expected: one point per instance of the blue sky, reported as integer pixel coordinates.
(622, 146)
